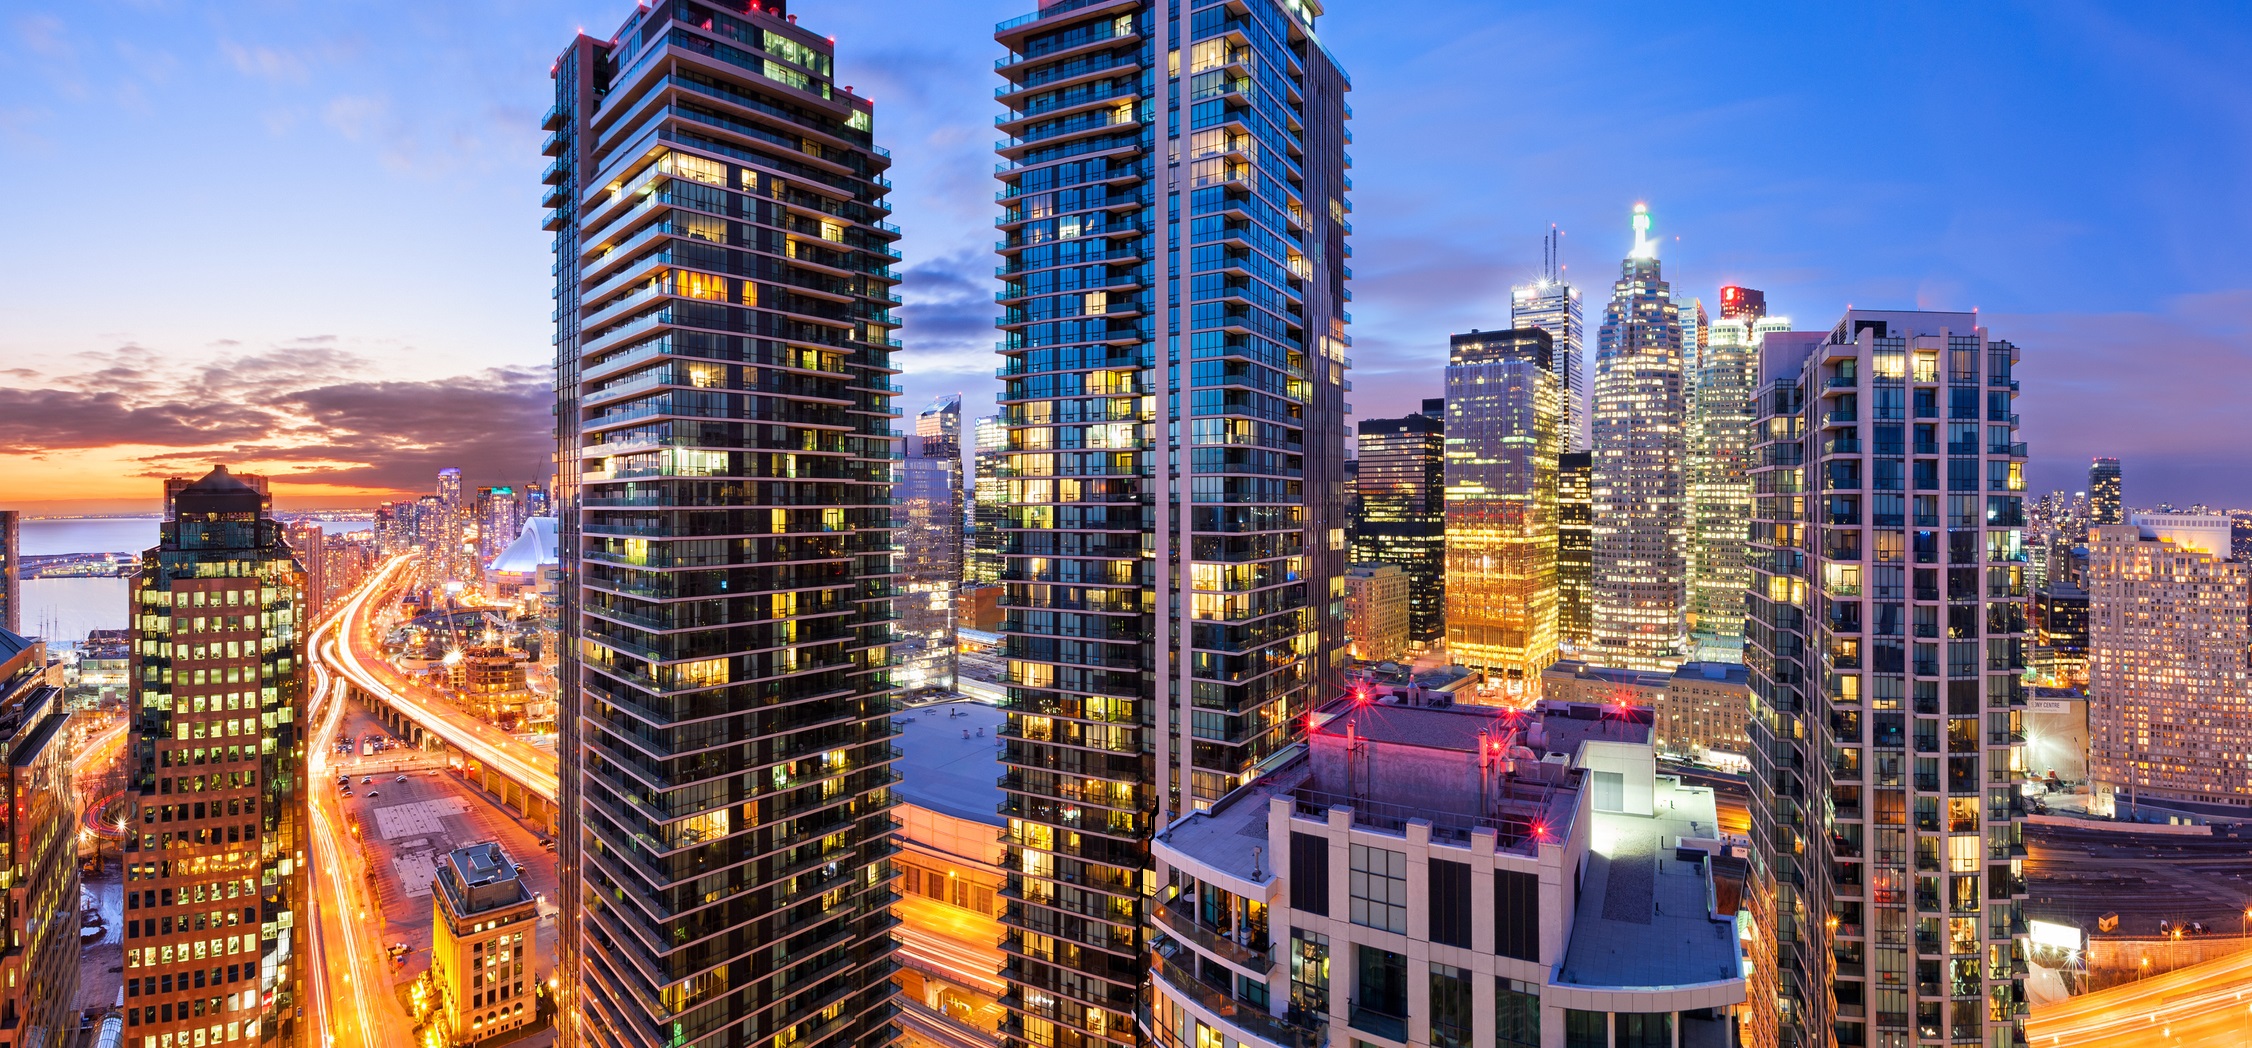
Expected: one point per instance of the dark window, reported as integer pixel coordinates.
(1647, 1029)
(1450, 902)
(1587, 1029)
(1309, 873)
(1516, 1013)
(1517, 915)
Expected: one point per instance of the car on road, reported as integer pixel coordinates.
(372, 795)
(401, 778)
(365, 780)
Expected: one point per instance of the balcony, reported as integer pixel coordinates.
(1182, 922)
(1242, 1014)
(1382, 1024)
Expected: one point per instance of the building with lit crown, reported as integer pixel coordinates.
(216, 882)
(1885, 639)
(1639, 506)
(724, 376)
(1173, 231)
(1425, 874)
(2169, 698)
(1504, 433)
(1716, 471)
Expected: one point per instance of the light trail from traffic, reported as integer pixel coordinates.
(2203, 1004)
(518, 761)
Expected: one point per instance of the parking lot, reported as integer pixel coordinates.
(2076, 875)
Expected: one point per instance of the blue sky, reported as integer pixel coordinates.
(329, 212)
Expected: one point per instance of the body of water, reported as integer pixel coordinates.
(61, 611)
(47, 538)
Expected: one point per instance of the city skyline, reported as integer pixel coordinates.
(286, 116)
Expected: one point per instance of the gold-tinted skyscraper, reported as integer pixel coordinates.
(1505, 429)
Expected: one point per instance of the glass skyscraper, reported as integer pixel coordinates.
(930, 549)
(1575, 554)
(1552, 304)
(1640, 513)
(1885, 643)
(1504, 433)
(2104, 506)
(1718, 485)
(1399, 487)
(724, 388)
(1173, 341)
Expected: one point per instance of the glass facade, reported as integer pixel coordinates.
(725, 463)
(1171, 532)
(1399, 485)
(1575, 554)
(1640, 514)
(1719, 488)
(1504, 432)
(1885, 641)
(930, 549)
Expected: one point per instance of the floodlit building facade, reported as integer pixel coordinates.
(1717, 474)
(1173, 343)
(2169, 698)
(484, 934)
(1700, 712)
(725, 386)
(1398, 517)
(216, 882)
(1885, 640)
(1504, 433)
(1376, 612)
(1435, 875)
(1640, 510)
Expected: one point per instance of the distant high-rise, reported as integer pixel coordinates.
(1504, 433)
(215, 847)
(500, 518)
(1173, 338)
(39, 897)
(988, 490)
(1552, 304)
(2168, 692)
(1639, 505)
(2104, 505)
(1718, 486)
(930, 547)
(11, 572)
(307, 539)
(1885, 642)
(724, 377)
(1376, 612)
(1399, 483)
(1575, 554)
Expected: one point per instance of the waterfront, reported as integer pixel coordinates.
(47, 537)
(62, 610)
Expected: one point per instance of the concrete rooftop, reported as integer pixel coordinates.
(943, 771)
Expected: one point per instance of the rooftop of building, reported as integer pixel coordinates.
(947, 759)
(1726, 672)
(1646, 916)
(1579, 670)
(480, 877)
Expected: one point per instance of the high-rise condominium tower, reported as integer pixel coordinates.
(1640, 513)
(1575, 554)
(11, 572)
(1885, 642)
(1552, 304)
(724, 382)
(1400, 487)
(1505, 422)
(39, 899)
(1173, 281)
(2104, 506)
(2167, 688)
(930, 548)
(1718, 485)
(215, 869)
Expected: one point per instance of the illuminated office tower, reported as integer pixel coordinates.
(1552, 304)
(215, 874)
(930, 549)
(2104, 505)
(1885, 640)
(725, 467)
(1718, 485)
(309, 541)
(1173, 338)
(1575, 554)
(1505, 420)
(988, 490)
(2168, 692)
(1400, 486)
(1640, 513)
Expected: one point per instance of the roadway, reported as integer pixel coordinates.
(355, 1003)
(2205, 1005)
(347, 643)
